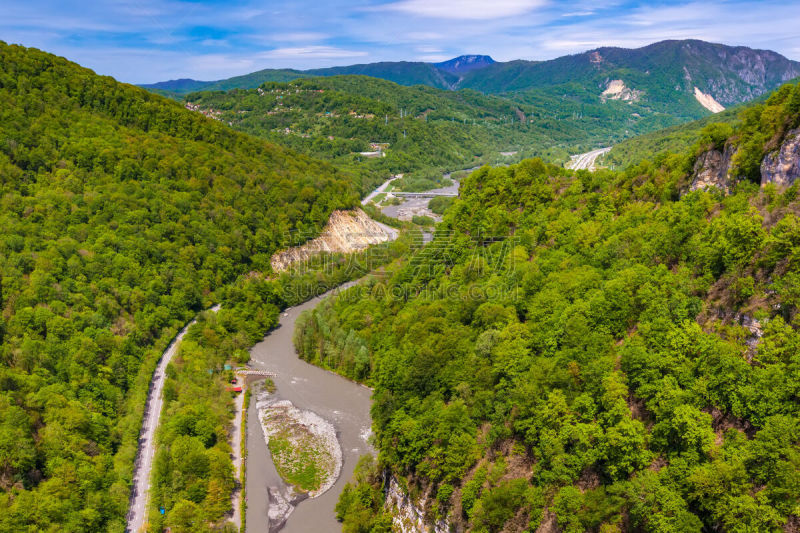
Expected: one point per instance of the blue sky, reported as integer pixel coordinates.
(142, 41)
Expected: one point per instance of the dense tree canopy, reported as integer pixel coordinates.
(600, 350)
(123, 214)
(423, 130)
(597, 350)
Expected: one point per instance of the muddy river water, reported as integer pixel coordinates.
(343, 403)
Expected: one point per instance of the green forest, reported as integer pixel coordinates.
(419, 129)
(123, 215)
(674, 139)
(585, 351)
(592, 351)
(425, 130)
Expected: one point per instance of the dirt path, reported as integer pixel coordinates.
(137, 511)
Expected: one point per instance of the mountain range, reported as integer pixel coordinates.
(688, 73)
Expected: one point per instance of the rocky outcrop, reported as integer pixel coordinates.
(616, 90)
(783, 167)
(408, 516)
(712, 169)
(346, 232)
(756, 331)
(707, 101)
(737, 74)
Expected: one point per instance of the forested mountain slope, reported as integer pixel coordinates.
(573, 103)
(178, 88)
(419, 129)
(663, 77)
(427, 130)
(684, 80)
(400, 72)
(675, 139)
(730, 74)
(123, 215)
(590, 352)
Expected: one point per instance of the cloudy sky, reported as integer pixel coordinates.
(143, 41)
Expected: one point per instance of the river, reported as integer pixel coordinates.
(343, 403)
(419, 206)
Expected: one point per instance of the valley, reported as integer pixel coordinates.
(459, 295)
(549, 109)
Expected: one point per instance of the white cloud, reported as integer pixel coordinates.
(312, 51)
(247, 14)
(150, 40)
(215, 42)
(217, 66)
(424, 36)
(293, 37)
(433, 58)
(579, 13)
(464, 9)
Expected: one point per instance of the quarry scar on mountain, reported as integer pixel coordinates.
(346, 232)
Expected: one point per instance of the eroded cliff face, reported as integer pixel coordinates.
(745, 73)
(346, 232)
(616, 90)
(408, 516)
(712, 169)
(707, 101)
(783, 167)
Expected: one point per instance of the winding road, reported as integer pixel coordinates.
(137, 512)
(379, 190)
(586, 161)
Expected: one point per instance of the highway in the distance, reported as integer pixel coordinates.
(586, 161)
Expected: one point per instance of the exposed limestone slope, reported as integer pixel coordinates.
(783, 167)
(408, 515)
(707, 101)
(346, 232)
(617, 90)
(712, 169)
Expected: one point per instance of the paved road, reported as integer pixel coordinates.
(379, 190)
(137, 512)
(429, 194)
(236, 446)
(586, 161)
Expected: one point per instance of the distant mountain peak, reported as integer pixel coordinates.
(465, 63)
